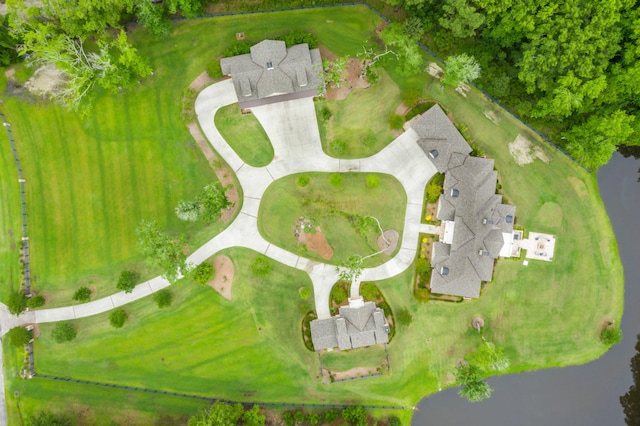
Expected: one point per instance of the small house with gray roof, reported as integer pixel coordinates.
(358, 325)
(476, 227)
(274, 73)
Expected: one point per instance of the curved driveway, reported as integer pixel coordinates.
(292, 128)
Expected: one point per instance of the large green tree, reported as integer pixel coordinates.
(161, 250)
(473, 388)
(219, 414)
(593, 142)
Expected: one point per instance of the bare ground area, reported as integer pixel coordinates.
(224, 276)
(45, 80)
(524, 152)
(388, 241)
(201, 81)
(313, 238)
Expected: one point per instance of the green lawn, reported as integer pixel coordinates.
(284, 202)
(245, 135)
(372, 357)
(101, 176)
(10, 212)
(361, 120)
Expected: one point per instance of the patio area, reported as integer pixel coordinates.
(538, 246)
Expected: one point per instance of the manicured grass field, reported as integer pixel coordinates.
(10, 211)
(285, 201)
(245, 135)
(544, 315)
(372, 357)
(360, 120)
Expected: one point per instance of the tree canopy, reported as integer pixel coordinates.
(161, 250)
(575, 65)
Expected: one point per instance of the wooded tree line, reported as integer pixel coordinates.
(571, 67)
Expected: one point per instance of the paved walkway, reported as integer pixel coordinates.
(293, 130)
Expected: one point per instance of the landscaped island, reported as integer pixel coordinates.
(100, 176)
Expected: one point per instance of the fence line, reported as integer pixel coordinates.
(25, 237)
(211, 400)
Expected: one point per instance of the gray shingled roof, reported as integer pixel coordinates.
(272, 70)
(437, 134)
(352, 328)
(469, 199)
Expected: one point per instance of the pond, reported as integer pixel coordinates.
(581, 395)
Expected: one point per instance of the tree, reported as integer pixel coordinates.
(126, 66)
(212, 200)
(631, 400)
(313, 418)
(351, 269)
(163, 298)
(188, 210)
(407, 50)
(19, 336)
(160, 250)
(8, 43)
(461, 18)
(474, 389)
(127, 281)
(85, 18)
(203, 273)
(611, 335)
(298, 416)
(17, 302)
(82, 295)
(153, 17)
(332, 71)
(261, 266)
(219, 414)
(594, 142)
(488, 357)
(36, 301)
(331, 415)
(189, 8)
(413, 28)
(117, 318)
(63, 332)
(252, 417)
(394, 421)
(355, 415)
(461, 68)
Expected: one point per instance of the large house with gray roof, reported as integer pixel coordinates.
(476, 227)
(358, 325)
(274, 73)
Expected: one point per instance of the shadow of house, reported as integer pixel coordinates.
(274, 73)
(357, 325)
(477, 227)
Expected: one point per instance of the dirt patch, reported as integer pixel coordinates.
(309, 233)
(491, 115)
(435, 70)
(201, 82)
(524, 152)
(354, 372)
(46, 80)
(10, 73)
(224, 276)
(579, 187)
(388, 241)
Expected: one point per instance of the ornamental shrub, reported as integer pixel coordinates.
(117, 318)
(82, 295)
(64, 332)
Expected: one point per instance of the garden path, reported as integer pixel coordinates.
(293, 130)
